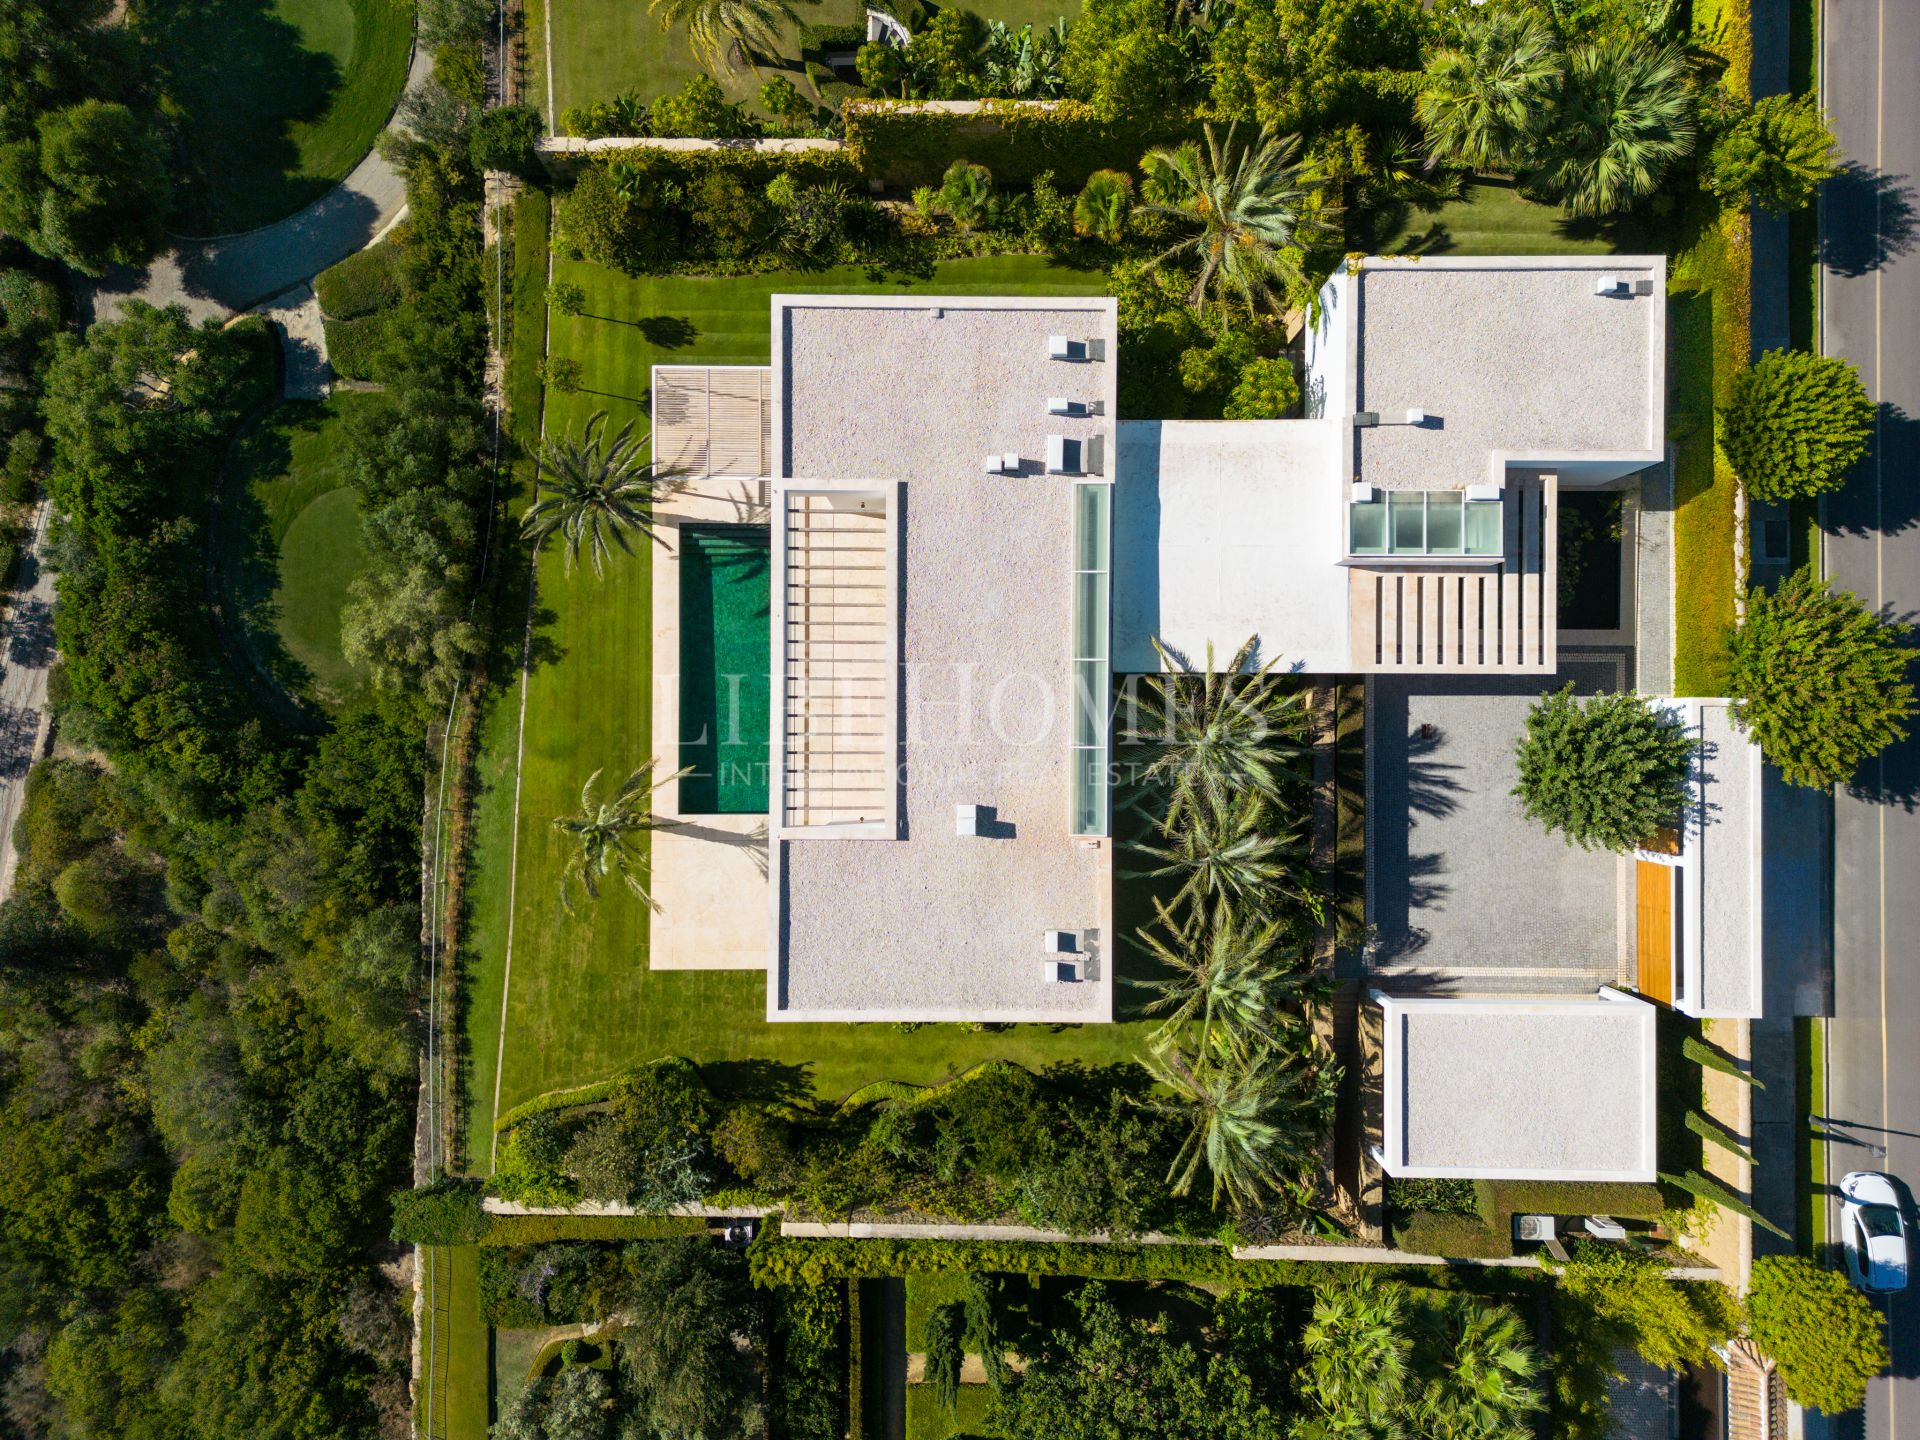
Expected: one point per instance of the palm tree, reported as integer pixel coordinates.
(595, 493)
(1251, 205)
(1628, 114)
(719, 30)
(1234, 977)
(1100, 209)
(1358, 1358)
(1239, 853)
(1211, 734)
(607, 831)
(1257, 1125)
(1483, 1369)
(1489, 96)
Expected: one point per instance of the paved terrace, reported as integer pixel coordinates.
(1515, 356)
(929, 924)
(1465, 893)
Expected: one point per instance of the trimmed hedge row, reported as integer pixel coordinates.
(775, 1260)
(596, 1093)
(1489, 1234)
(353, 345)
(542, 1229)
(902, 1093)
(902, 145)
(364, 282)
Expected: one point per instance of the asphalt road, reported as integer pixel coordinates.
(1870, 313)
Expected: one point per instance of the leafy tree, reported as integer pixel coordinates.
(700, 110)
(104, 1365)
(1123, 59)
(1101, 208)
(410, 630)
(1206, 736)
(943, 57)
(945, 1346)
(1608, 774)
(606, 832)
(1672, 1325)
(1359, 1353)
(1489, 95)
(101, 894)
(722, 31)
(446, 1212)
(504, 139)
(566, 297)
(594, 493)
(1257, 1125)
(1797, 423)
(1095, 1168)
(690, 1302)
(1822, 683)
(1266, 390)
(1777, 154)
(1291, 63)
(1127, 1378)
(883, 68)
(561, 374)
(1249, 205)
(1626, 117)
(93, 191)
(1826, 1336)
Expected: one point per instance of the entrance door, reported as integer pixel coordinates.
(1653, 887)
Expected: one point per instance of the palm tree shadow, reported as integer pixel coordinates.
(1869, 219)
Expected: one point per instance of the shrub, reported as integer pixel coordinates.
(780, 99)
(881, 67)
(504, 139)
(1671, 1323)
(1266, 390)
(1608, 774)
(1825, 1335)
(947, 53)
(1212, 371)
(625, 114)
(1822, 683)
(354, 346)
(566, 297)
(701, 111)
(814, 225)
(1101, 208)
(1047, 215)
(1436, 1197)
(446, 1212)
(507, 1230)
(1776, 154)
(561, 373)
(966, 194)
(1016, 140)
(365, 282)
(23, 463)
(1796, 424)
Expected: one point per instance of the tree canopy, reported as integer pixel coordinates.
(1608, 774)
(1796, 424)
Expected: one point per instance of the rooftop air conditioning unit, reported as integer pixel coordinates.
(1365, 419)
(1535, 1228)
(1610, 285)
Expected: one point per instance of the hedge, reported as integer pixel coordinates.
(903, 144)
(542, 1229)
(353, 344)
(775, 1260)
(1490, 1234)
(362, 283)
(597, 1093)
(445, 1213)
(913, 1096)
(1428, 1232)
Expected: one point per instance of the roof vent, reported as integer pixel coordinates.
(1610, 285)
(1365, 419)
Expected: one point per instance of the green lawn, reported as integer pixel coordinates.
(278, 99)
(928, 1419)
(290, 544)
(1491, 218)
(583, 1003)
(455, 1362)
(604, 47)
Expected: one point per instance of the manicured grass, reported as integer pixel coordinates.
(583, 1003)
(455, 1383)
(291, 544)
(924, 1294)
(279, 98)
(604, 47)
(1491, 218)
(928, 1419)
(514, 1352)
(1810, 1099)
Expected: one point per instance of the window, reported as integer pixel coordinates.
(1424, 522)
(1092, 676)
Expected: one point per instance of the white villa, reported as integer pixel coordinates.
(926, 524)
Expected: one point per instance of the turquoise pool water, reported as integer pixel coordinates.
(725, 643)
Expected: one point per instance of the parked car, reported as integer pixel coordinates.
(1873, 1232)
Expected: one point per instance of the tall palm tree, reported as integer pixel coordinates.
(1257, 1126)
(1483, 1371)
(1207, 735)
(721, 30)
(1359, 1356)
(1239, 853)
(1489, 96)
(1250, 205)
(1627, 115)
(1235, 978)
(607, 832)
(593, 493)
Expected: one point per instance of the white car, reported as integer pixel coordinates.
(1873, 1232)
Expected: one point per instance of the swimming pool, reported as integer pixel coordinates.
(725, 590)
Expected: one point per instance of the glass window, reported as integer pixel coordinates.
(1090, 792)
(1090, 527)
(1408, 512)
(1880, 1220)
(1483, 527)
(1090, 616)
(1443, 522)
(1089, 703)
(1367, 527)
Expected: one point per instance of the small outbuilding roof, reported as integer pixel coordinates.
(1519, 1089)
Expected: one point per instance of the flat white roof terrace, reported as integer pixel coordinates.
(894, 403)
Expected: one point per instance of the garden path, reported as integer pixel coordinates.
(23, 686)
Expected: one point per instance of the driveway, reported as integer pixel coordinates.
(23, 688)
(218, 278)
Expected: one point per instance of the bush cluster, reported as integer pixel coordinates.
(902, 146)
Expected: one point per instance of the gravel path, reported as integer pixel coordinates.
(223, 277)
(23, 687)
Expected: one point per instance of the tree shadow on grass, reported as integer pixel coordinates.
(239, 77)
(668, 332)
(764, 1081)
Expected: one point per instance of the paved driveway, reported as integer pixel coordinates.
(23, 688)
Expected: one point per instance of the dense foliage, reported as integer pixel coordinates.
(1609, 773)
(1672, 1324)
(1825, 1335)
(1776, 154)
(1822, 682)
(1796, 424)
